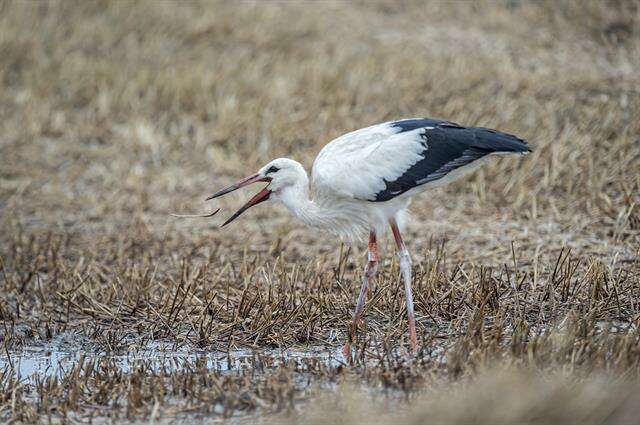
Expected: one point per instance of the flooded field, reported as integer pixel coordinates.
(526, 274)
(55, 359)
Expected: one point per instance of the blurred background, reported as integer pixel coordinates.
(114, 114)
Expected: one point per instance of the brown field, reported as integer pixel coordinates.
(527, 273)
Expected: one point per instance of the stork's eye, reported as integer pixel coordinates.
(272, 169)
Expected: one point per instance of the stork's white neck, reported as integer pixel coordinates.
(296, 199)
(332, 215)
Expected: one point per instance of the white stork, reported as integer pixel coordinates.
(363, 182)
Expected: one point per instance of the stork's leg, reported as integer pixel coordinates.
(369, 273)
(405, 269)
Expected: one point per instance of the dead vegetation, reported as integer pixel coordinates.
(531, 399)
(114, 115)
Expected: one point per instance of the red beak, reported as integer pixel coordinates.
(261, 196)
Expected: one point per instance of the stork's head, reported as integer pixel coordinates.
(281, 174)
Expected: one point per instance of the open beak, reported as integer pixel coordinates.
(261, 196)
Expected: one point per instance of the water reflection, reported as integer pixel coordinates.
(32, 362)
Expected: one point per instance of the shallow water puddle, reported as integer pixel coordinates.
(54, 359)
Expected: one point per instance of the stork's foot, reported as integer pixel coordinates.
(413, 337)
(346, 350)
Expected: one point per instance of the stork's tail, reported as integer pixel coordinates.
(498, 142)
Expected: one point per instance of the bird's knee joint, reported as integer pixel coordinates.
(405, 258)
(371, 268)
(372, 256)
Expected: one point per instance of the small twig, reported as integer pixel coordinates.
(211, 214)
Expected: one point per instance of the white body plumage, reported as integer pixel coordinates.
(351, 170)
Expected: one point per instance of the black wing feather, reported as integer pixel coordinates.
(447, 146)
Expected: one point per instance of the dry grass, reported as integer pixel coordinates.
(115, 114)
(532, 399)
